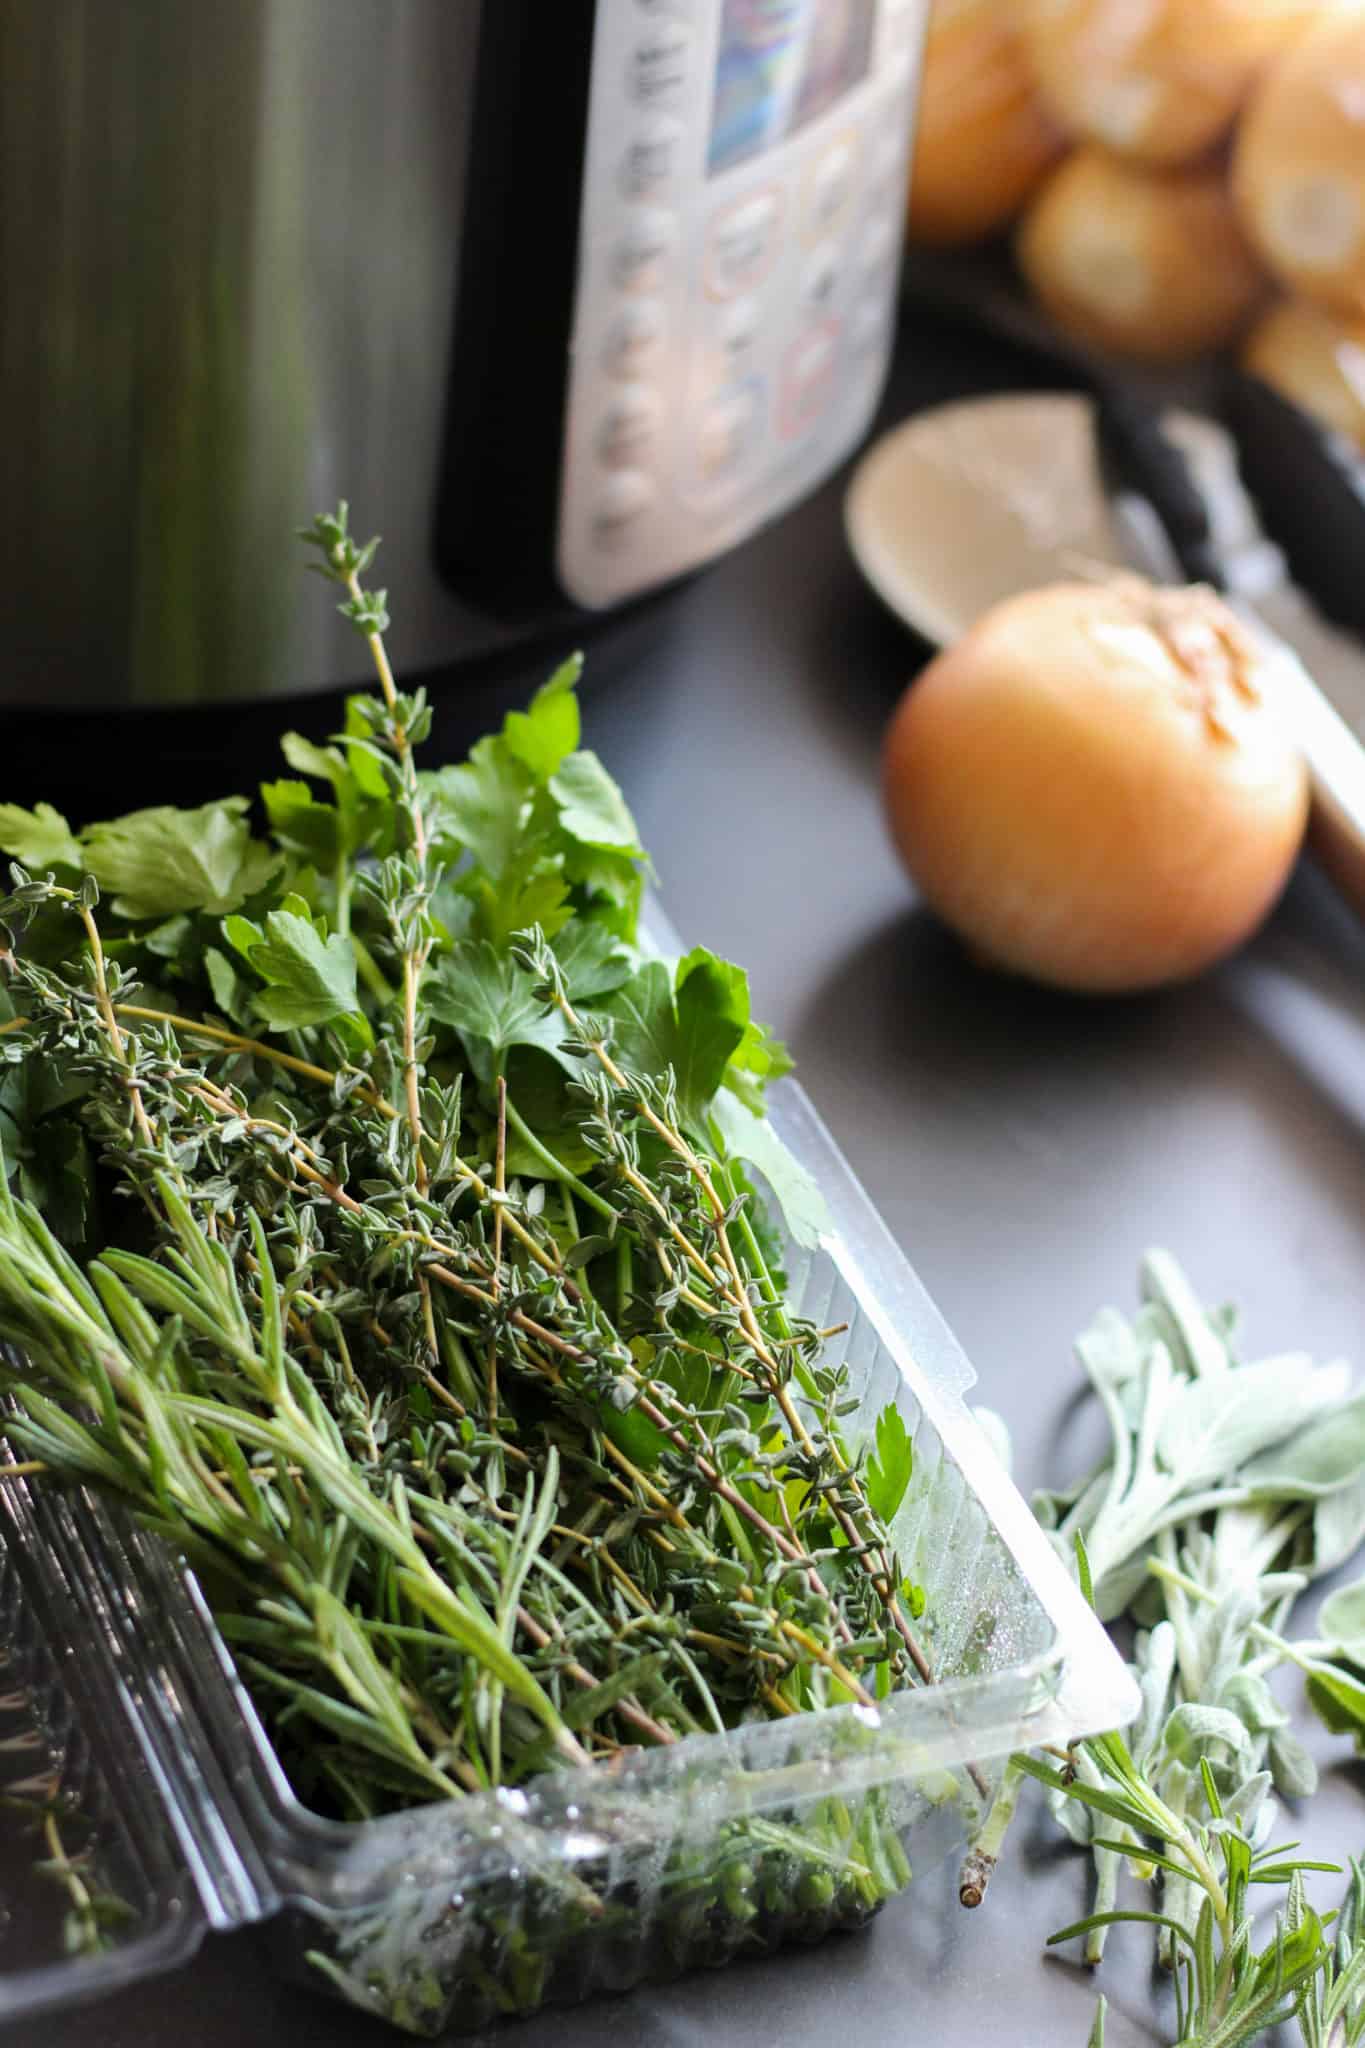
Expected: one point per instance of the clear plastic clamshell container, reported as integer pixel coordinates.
(120, 1698)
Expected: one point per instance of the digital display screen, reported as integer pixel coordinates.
(783, 63)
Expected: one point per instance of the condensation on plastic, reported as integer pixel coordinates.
(443, 1917)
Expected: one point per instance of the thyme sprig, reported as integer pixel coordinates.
(369, 1228)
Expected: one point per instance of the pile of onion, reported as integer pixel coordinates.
(982, 140)
(1094, 786)
(1152, 266)
(1299, 166)
(1156, 80)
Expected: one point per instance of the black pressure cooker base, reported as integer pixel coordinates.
(100, 763)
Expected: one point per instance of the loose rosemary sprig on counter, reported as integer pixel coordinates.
(375, 1227)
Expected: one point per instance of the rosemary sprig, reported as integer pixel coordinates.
(446, 1335)
(1226, 1488)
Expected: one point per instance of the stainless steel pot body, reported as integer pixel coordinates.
(229, 236)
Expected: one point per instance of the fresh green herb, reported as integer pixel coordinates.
(418, 1290)
(1228, 1991)
(95, 1916)
(1226, 1488)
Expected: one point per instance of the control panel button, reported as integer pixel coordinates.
(808, 377)
(626, 437)
(621, 503)
(634, 338)
(900, 58)
(879, 246)
(831, 186)
(638, 260)
(728, 431)
(659, 65)
(650, 161)
(868, 325)
(887, 158)
(742, 244)
(820, 278)
(738, 328)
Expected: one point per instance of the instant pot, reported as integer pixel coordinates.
(565, 299)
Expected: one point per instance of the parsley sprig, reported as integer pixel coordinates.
(379, 1225)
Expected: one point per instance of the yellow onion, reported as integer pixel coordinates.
(1315, 358)
(1157, 80)
(1150, 264)
(1094, 787)
(1299, 168)
(982, 140)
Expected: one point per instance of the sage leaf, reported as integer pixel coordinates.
(1339, 1702)
(1192, 1727)
(1341, 1622)
(1275, 1446)
(1211, 1427)
(1201, 1350)
(1254, 1704)
(1116, 1591)
(1293, 1769)
(1155, 1669)
(1242, 1807)
(1338, 1526)
(1110, 1350)
(1327, 1455)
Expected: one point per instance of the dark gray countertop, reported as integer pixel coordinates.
(1024, 1148)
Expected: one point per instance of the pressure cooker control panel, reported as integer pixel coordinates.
(676, 287)
(743, 193)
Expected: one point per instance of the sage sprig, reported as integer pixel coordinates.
(1227, 1487)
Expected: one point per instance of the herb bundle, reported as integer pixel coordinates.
(1227, 1487)
(378, 1226)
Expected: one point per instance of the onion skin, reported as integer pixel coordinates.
(1298, 172)
(1156, 80)
(1092, 789)
(1315, 358)
(982, 140)
(1149, 265)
